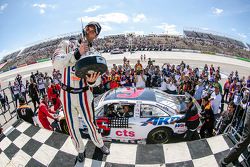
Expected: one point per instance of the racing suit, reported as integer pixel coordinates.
(76, 103)
(43, 113)
(191, 118)
(208, 121)
(53, 95)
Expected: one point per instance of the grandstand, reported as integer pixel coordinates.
(9, 57)
(205, 42)
(213, 37)
(248, 45)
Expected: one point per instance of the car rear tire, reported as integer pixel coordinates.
(160, 135)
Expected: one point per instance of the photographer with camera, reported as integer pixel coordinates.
(150, 62)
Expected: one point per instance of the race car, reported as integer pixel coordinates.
(116, 51)
(139, 115)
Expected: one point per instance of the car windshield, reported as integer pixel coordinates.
(97, 100)
(173, 102)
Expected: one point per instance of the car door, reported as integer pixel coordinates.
(121, 127)
(151, 117)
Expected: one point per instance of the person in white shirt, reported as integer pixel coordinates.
(198, 91)
(163, 85)
(171, 86)
(140, 80)
(23, 91)
(216, 100)
(177, 76)
(41, 86)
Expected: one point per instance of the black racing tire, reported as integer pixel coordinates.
(64, 126)
(160, 135)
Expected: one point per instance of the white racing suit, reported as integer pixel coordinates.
(79, 103)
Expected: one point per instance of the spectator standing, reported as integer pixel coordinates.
(216, 100)
(34, 94)
(41, 85)
(140, 80)
(23, 91)
(25, 112)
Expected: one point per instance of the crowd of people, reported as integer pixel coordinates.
(203, 84)
(36, 86)
(42, 90)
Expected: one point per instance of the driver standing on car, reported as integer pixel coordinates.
(75, 102)
(191, 119)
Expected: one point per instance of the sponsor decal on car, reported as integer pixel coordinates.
(179, 125)
(125, 133)
(159, 121)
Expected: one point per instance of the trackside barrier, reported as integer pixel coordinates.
(22, 65)
(43, 60)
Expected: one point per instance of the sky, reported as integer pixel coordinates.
(23, 22)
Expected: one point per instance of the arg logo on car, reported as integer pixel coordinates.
(159, 121)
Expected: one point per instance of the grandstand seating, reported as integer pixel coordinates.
(194, 40)
(213, 37)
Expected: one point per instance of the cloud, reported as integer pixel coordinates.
(3, 53)
(217, 11)
(3, 7)
(135, 32)
(107, 18)
(205, 28)
(242, 35)
(106, 27)
(43, 6)
(92, 8)
(169, 29)
(233, 29)
(139, 17)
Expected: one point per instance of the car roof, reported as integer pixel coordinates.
(127, 93)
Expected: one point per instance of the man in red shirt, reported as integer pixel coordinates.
(54, 96)
(114, 80)
(44, 111)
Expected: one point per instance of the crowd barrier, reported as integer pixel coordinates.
(243, 59)
(43, 60)
(22, 65)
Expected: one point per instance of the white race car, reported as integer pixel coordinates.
(139, 115)
(116, 51)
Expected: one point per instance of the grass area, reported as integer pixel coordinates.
(244, 59)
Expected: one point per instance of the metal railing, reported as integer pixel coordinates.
(235, 128)
(8, 105)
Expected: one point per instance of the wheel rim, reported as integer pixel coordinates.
(160, 136)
